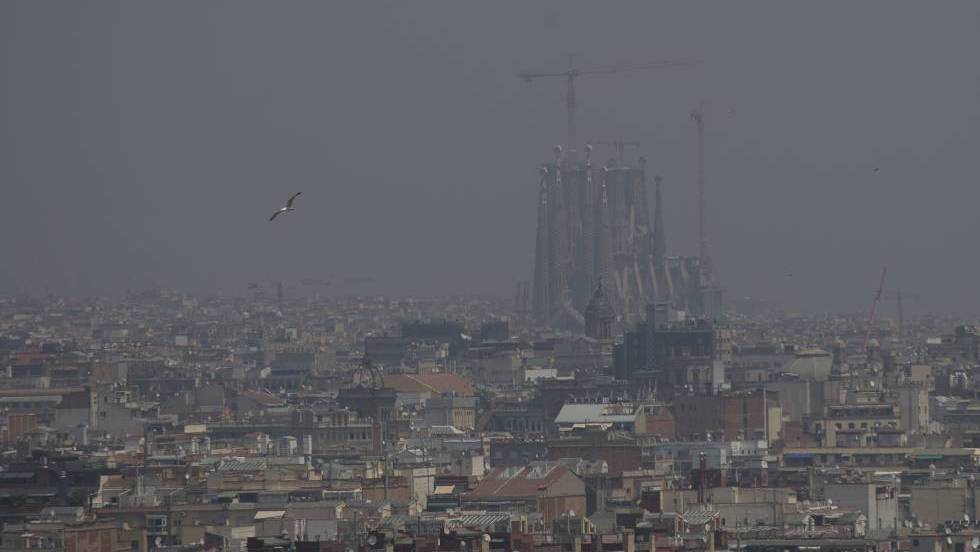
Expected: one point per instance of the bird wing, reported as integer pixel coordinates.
(292, 199)
(276, 214)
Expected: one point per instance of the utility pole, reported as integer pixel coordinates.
(573, 72)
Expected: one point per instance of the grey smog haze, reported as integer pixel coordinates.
(145, 144)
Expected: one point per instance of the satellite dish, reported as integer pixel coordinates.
(975, 543)
(486, 537)
(157, 542)
(949, 531)
(707, 527)
(949, 540)
(966, 518)
(830, 502)
(571, 513)
(372, 540)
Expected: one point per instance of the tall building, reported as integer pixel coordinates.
(594, 224)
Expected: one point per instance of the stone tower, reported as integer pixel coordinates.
(599, 316)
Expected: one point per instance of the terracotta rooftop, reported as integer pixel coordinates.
(264, 399)
(519, 482)
(431, 383)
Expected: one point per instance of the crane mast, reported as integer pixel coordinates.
(874, 308)
(570, 107)
(698, 117)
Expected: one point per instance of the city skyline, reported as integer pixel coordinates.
(141, 146)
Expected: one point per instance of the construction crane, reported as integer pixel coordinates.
(574, 72)
(874, 307)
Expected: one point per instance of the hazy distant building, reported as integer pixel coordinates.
(682, 355)
(291, 363)
(495, 330)
(811, 364)
(859, 425)
(731, 416)
(451, 410)
(386, 350)
(594, 224)
(599, 316)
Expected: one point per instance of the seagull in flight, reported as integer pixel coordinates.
(287, 208)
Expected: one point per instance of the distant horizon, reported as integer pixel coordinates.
(886, 310)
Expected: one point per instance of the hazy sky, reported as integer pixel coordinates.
(147, 143)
